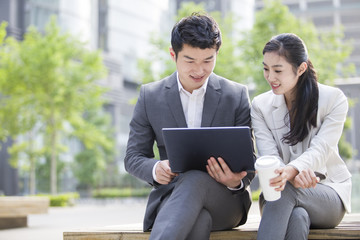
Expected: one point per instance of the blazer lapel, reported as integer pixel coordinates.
(279, 115)
(173, 100)
(211, 101)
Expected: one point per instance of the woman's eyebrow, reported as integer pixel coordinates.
(276, 65)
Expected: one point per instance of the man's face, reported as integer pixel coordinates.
(194, 65)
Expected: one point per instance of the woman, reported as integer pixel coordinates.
(300, 121)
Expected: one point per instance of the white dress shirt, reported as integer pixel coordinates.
(192, 104)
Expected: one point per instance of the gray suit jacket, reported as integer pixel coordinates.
(226, 103)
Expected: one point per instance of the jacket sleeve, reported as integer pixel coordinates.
(139, 153)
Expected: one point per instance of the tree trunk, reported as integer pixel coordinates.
(32, 164)
(32, 175)
(53, 172)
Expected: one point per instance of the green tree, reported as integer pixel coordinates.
(275, 18)
(48, 85)
(90, 165)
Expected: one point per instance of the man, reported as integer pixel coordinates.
(191, 204)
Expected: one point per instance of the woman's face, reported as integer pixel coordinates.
(280, 75)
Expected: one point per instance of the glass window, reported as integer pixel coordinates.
(39, 12)
(319, 4)
(323, 21)
(103, 25)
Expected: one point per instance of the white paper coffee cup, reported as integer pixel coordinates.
(265, 167)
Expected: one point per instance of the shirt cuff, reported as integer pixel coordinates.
(237, 189)
(153, 171)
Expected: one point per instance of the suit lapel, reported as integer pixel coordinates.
(211, 101)
(173, 100)
(278, 116)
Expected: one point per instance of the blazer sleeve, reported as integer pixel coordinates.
(139, 153)
(324, 144)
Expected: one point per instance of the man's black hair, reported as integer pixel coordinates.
(197, 30)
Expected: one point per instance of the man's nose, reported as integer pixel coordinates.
(199, 69)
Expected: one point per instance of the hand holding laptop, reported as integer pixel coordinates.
(163, 172)
(220, 171)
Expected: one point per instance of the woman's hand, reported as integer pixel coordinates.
(286, 173)
(305, 179)
(222, 173)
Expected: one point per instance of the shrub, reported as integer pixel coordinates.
(255, 195)
(61, 200)
(121, 192)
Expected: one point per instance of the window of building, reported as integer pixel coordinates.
(319, 4)
(323, 21)
(350, 18)
(293, 7)
(39, 12)
(350, 2)
(103, 25)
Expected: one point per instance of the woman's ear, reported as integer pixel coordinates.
(302, 68)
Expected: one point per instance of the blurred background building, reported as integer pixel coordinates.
(121, 29)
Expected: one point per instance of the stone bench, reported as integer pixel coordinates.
(14, 210)
(349, 228)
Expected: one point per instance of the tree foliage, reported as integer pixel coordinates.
(48, 88)
(327, 50)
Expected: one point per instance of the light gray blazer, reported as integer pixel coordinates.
(159, 106)
(319, 150)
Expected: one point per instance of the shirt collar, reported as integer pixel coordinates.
(180, 86)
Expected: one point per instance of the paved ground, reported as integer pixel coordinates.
(85, 214)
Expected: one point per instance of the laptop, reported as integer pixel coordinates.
(190, 148)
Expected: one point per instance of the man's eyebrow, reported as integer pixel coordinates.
(190, 58)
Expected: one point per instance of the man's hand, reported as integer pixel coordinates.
(222, 173)
(163, 173)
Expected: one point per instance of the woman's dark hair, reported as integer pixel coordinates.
(197, 30)
(304, 109)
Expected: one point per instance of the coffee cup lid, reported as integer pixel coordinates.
(266, 161)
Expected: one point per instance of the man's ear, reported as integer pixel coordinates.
(172, 54)
(302, 68)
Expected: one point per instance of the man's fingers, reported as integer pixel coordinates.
(224, 166)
